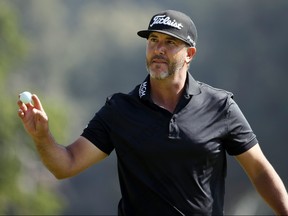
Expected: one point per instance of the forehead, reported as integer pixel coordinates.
(164, 36)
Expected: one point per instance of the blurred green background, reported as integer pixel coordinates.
(75, 53)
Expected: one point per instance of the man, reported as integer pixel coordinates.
(170, 134)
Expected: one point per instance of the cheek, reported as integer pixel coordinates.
(149, 51)
(181, 57)
(149, 55)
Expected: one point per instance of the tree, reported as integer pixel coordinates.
(25, 186)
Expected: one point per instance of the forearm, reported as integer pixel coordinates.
(55, 157)
(271, 188)
(58, 159)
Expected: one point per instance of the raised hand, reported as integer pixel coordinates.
(34, 118)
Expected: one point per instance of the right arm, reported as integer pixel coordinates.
(62, 161)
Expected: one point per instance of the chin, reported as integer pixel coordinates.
(159, 76)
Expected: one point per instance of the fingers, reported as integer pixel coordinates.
(36, 102)
(34, 105)
(21, 113)
(22, 109)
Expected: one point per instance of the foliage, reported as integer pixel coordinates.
(24, 187)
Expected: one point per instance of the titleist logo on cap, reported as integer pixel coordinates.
(173, 23)
(166, 20)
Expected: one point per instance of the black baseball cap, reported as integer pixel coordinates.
(173, 23)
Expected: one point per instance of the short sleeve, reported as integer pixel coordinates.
(240, 136)
(97, 132)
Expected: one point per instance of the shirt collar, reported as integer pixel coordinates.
(191, 87)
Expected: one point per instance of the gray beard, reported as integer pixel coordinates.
(172, 69)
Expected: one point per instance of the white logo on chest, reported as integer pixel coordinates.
(142, 89)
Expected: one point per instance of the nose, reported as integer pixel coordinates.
(160, 49)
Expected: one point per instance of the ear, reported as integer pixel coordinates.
(191, 51)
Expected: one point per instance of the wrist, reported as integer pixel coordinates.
(45, 138)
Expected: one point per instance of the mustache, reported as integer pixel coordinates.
(159, 57)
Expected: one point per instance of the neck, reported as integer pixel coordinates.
(166, 93)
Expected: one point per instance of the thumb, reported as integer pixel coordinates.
(37, 102)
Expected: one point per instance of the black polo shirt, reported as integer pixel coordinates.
(171, 163)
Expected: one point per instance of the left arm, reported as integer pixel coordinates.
(265, 179)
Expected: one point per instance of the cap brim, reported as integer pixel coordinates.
(146, 33)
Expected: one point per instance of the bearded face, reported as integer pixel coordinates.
(160, 67)
(165, 55)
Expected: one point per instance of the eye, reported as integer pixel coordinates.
(152, 39)
(171, 42)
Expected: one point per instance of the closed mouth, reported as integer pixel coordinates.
(159, 60)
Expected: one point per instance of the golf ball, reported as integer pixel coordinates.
(26, 97)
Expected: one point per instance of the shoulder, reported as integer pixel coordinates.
(121, 97)
(119, 101)
(214, 96)
(214, 92)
